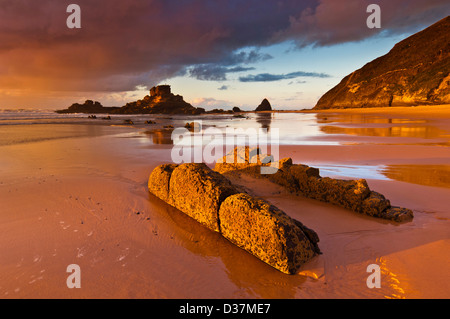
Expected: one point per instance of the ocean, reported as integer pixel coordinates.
(275, 129)
(34, 125)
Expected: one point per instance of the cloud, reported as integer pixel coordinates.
(124, 44)
(297, 82)
(268, 77)
(331, 22)
(211, 103)
(230, 64)
(212, 72)
(243, 57)
(223, 88)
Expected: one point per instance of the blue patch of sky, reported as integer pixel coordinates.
(295, 74)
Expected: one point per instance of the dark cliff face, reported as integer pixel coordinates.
(415, 72)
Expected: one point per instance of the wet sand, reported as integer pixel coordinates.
(84, 201)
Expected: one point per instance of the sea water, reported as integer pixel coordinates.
(18, 126)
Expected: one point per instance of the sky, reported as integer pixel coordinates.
(215, 53)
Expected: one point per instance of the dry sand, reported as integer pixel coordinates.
(84, 201)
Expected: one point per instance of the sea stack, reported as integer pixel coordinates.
(264, 106)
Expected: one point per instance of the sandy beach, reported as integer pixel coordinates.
(83, 199)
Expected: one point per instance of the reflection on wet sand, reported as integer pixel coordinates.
(160, 136)
(265, 119)
(427, 132)
(323, 118)
(429, 175)
(365, 125)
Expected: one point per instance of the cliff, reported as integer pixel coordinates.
(415, 72)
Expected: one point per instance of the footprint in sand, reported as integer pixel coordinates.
(19, 264)
(61, 223)
(122, 257)
(81, 252)
(37, 259)
(33, 279)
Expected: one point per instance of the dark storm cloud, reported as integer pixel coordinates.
(123, 44)
(244, 57)
(331, 22)
(267, 77)
(230, 64)
(212, 72)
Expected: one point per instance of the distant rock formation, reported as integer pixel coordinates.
(354, 195)
(415, 72)
(88, 107)
(252, 224)
(160, 90)
(264, 106)
(160, 101)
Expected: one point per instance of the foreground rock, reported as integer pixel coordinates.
(198, 191)
(252, 224)
(351, 194)
(306, 181)
(159, 181)
(266, 232)
(246, 158)
(415, 72)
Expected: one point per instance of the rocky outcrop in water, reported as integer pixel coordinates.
(415, 72)
(250, 223)
(160, 101)
(87, 107)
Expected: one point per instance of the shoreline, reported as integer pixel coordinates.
(439, 109)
